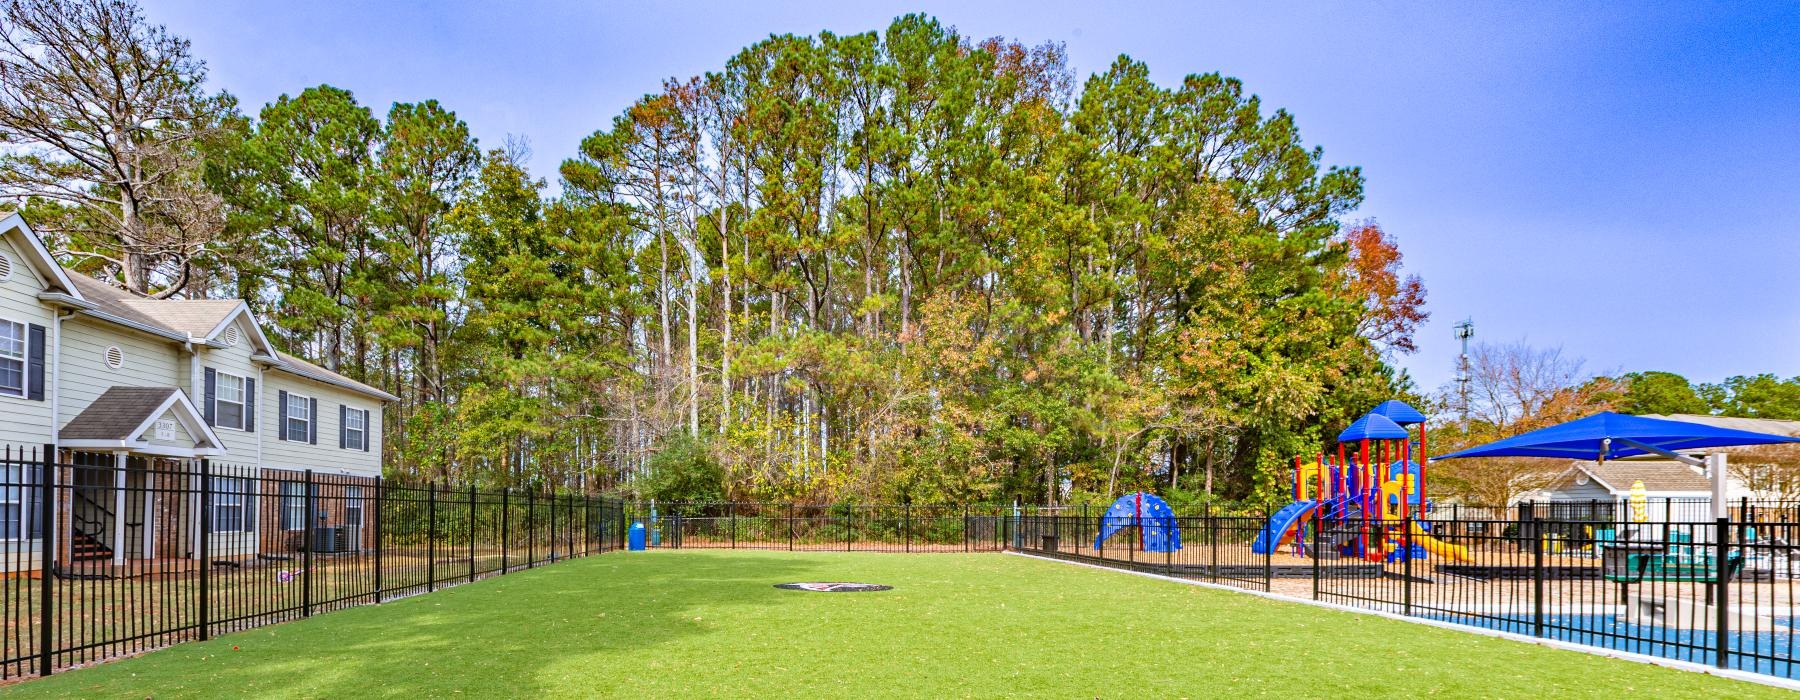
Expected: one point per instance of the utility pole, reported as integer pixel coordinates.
(1465, 330)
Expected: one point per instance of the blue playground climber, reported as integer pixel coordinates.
(1157, 531)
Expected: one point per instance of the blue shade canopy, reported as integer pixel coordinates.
(1372, 427)
(1398, 412)
(1586, 439)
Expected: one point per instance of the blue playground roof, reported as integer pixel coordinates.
(1398, 412)
(1372, 427)
(1608, 435)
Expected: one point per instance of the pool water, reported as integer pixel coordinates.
(1764, 651)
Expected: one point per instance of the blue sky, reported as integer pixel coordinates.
(1616, 179)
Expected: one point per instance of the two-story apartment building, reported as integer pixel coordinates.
(137, 390)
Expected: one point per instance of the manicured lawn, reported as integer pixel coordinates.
(708, 623)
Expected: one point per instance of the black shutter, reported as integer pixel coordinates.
(343, 426)
(368, 432)
(34, 364)
(249, 405)
(251, 487)
(212, 386)
(312, 426)
(281, 415)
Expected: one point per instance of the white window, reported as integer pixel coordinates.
(229, 509)
(299, 418)
(228, 402)
(353, 506)
(12, 358)
(356, 430)
(293, 505)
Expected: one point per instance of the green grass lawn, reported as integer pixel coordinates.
(709, 623)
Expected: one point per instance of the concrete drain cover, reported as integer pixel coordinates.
(834, 587)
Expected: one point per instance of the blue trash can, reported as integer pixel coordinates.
(635, 541)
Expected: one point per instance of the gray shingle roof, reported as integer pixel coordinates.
(195, 317)
(1658, 476)
(198, 317)
(297, 366)
(118, 411)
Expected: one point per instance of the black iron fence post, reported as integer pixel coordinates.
(380, 499)
(1268, 556)
(906, 523)
(1406, 586)
(965, 532)
(1212, 539)
(205, 524)
(505, 524)
(309, 537)
(431, 537)
(790, 524)
(1537, 583)
(47, 563)
(848, 514)
(1721, 601)
(1318, 555)
(553, 524)
(530, 528)
(732, 509)
(471, 532)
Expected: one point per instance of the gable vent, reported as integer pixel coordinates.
(115, 358)
(6, 266)
(231, 336)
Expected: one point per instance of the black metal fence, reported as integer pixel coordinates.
(841, 527)
(104, 556)
(1717, 592)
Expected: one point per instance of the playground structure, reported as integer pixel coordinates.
(1150, 515)
(1369, 502)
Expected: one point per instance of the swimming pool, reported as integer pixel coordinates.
(1769, 652)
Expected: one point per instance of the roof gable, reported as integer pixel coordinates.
(31, 247)
(124, 417)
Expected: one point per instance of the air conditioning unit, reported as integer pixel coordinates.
(326, 539)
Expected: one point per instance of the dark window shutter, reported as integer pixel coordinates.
(312, 425)
(343, 426)
(34, 364)
(250, 489)
(212, 386)
(368, 432)
(249, 405)
(281, 431)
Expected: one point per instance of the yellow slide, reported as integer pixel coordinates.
(1433, 545)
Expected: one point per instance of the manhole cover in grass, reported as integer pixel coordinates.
(834, 587)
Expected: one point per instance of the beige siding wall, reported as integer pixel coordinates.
(149, 361)
(242, 447)
(24, 422)
(324, 456)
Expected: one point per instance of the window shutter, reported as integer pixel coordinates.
(212, 386)
(343, 426)
(249, 405)
(368, 432)
(35, 364)
(312, 425)
(281, 431)
(250, 489)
